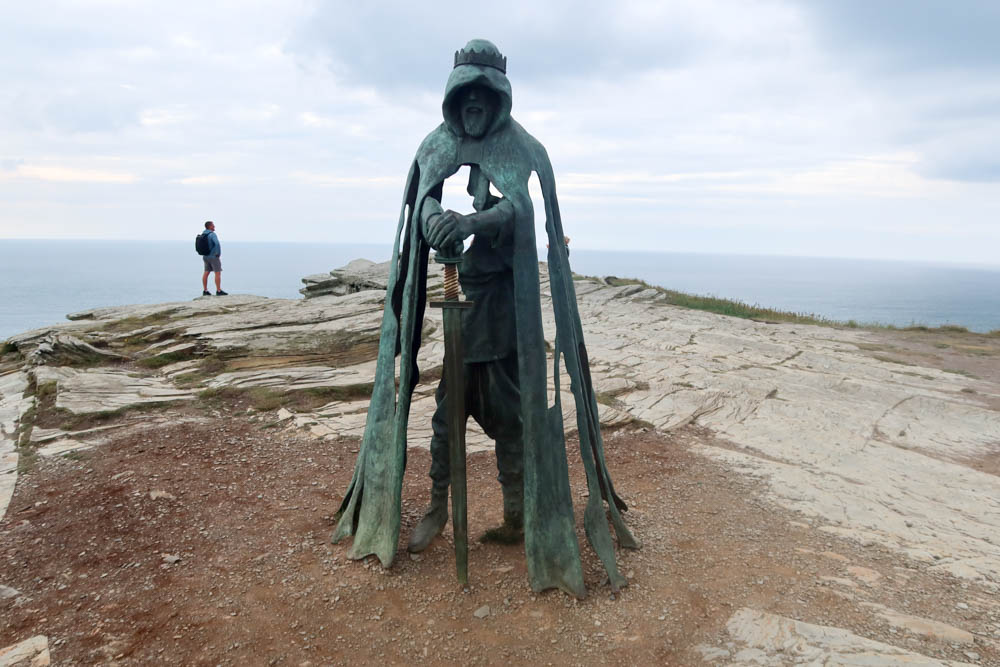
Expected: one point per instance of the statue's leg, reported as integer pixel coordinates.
(498, 405)
(440, 466)
(436, 515)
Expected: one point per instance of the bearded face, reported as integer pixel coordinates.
(477, 106)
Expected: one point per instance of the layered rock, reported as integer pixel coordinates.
(899, 452)
(358, 276)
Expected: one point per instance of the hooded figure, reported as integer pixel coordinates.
(505, 355)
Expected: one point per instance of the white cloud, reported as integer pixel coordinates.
(62, 174)
(664, 121)
(208, 179)
(153, 117)
(875, 176)
(342, 181)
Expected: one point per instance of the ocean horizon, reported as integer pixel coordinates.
(45, 280)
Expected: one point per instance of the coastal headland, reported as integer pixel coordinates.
(805, 494)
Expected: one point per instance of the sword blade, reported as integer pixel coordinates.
(455, 384)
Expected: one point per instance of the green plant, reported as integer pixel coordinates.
(944, 328)
(167, 358)
(46, 390)
(26, 459)
(26, 422)
(736, 308)
(730, 307)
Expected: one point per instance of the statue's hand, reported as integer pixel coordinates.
(448, 230)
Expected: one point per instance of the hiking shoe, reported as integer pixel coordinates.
(206, 293)
(221, 293)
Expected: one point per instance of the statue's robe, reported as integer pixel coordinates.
(370, 512)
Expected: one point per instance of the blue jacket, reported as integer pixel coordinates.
(214, 247)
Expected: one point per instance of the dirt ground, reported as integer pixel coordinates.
(208, 544)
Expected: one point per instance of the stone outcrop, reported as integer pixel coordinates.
(899, 453)
(760, 638)
(67, 350)
(33, 652)
(358, 276)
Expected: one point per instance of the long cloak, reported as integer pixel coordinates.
(370, 511)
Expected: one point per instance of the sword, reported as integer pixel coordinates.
(454, 378)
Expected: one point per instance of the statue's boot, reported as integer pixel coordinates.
(433, 522)
(512, 530)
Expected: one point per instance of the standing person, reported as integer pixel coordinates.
(212, 261)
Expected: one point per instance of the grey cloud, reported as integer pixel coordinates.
(931, 66)
(904, 35)
(410, 45)
(241, 98)
(968, 157)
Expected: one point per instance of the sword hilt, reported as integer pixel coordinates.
(451, 288)
(450, 258)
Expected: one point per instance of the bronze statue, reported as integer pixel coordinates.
(504, 352)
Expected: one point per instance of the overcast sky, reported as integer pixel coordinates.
(838, 128)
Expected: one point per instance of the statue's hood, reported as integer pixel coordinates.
(465, 75)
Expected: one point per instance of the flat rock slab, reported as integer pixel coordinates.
(760, 638)
(100, 390)
(297, 377)
(12, 405)
(64, 446)
(7, 593)
(923, 626)
(877, 451)
(65, 348)
(33, 652)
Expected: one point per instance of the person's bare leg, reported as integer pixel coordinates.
(204, 281)
(218, 281)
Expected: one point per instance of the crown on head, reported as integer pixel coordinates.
(469, 56)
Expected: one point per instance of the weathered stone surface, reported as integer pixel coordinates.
(297, 377)
(923, 626)
(7, 593)
(64, 446)
(12, 405)
(44, 435)
(99, 390)
(864, 448)
(33, 652)
(760, 638)
(358, 276)
(62, 349)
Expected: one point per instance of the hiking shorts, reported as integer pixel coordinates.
(212, 263)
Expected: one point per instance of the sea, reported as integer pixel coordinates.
(41, 281)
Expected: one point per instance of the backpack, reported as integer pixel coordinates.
(201, 244)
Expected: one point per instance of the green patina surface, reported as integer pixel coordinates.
(507, 156)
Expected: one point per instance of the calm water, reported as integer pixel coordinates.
(887, 292)
(44, 280)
